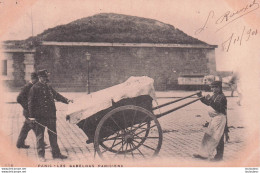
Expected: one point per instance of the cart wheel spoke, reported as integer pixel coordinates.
(146, 129)
(146, 145)
(138, 150)
(107, 149)
(115, 123)
(113, 138)
(133, 120)
(143, 120)
(131, 150)
(121, 148)
(124, 119)
(113, 145)
(140, 126)
(126, 150)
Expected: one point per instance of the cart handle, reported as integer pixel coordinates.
(172, 110)
(157, 107)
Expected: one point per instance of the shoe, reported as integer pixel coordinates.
(89, 141)
(227, 139)
(216, 160)
(199, 157)
(23, 146)
(60, 156)
(42, 159)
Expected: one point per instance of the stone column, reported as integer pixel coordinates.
(10, 67)
(56, 56)
(56, 51)
(29, 65)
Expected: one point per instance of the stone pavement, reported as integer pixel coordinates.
(182, 130)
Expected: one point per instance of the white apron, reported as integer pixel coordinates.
(213, 134)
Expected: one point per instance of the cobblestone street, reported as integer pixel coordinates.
(182, 130)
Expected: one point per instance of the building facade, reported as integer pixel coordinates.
(17, 66)
(109, 63)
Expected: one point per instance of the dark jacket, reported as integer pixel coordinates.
(218, 102)
(22, 98)
(41, 103)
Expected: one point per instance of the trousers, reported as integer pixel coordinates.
(27, 126)
(220, 149)
(50, 124)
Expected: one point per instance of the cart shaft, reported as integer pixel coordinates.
(172, 110)
(157, 107)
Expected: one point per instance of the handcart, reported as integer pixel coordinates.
(128, 128)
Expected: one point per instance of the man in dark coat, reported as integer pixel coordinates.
(42, 111)
(22, 99)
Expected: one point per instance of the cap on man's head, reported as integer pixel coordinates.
(216, 83)
(43, 73)
(34, 75)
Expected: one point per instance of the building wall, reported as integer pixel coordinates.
(112, 65)
(211, 61)
(15, 76)
(19, 68)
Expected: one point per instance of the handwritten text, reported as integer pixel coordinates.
(238, 39)
(228, 17)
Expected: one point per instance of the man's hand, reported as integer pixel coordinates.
(199, 94)
(208, 97)
(32, 120)
(70, 101)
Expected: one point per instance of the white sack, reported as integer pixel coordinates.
(89, 104)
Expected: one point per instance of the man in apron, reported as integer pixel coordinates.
(214, 136)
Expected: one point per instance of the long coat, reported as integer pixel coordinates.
(22, 98)
(41, 103)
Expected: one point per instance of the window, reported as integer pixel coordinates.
(4, 67)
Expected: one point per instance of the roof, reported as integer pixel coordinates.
(114, 28)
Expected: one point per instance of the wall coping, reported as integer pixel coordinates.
(102, 44)
(19, 51)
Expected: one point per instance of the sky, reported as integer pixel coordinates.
(202, 19)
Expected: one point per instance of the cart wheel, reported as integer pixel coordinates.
(147, 126)
(128, 132)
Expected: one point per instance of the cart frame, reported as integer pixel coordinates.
(127, 137)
